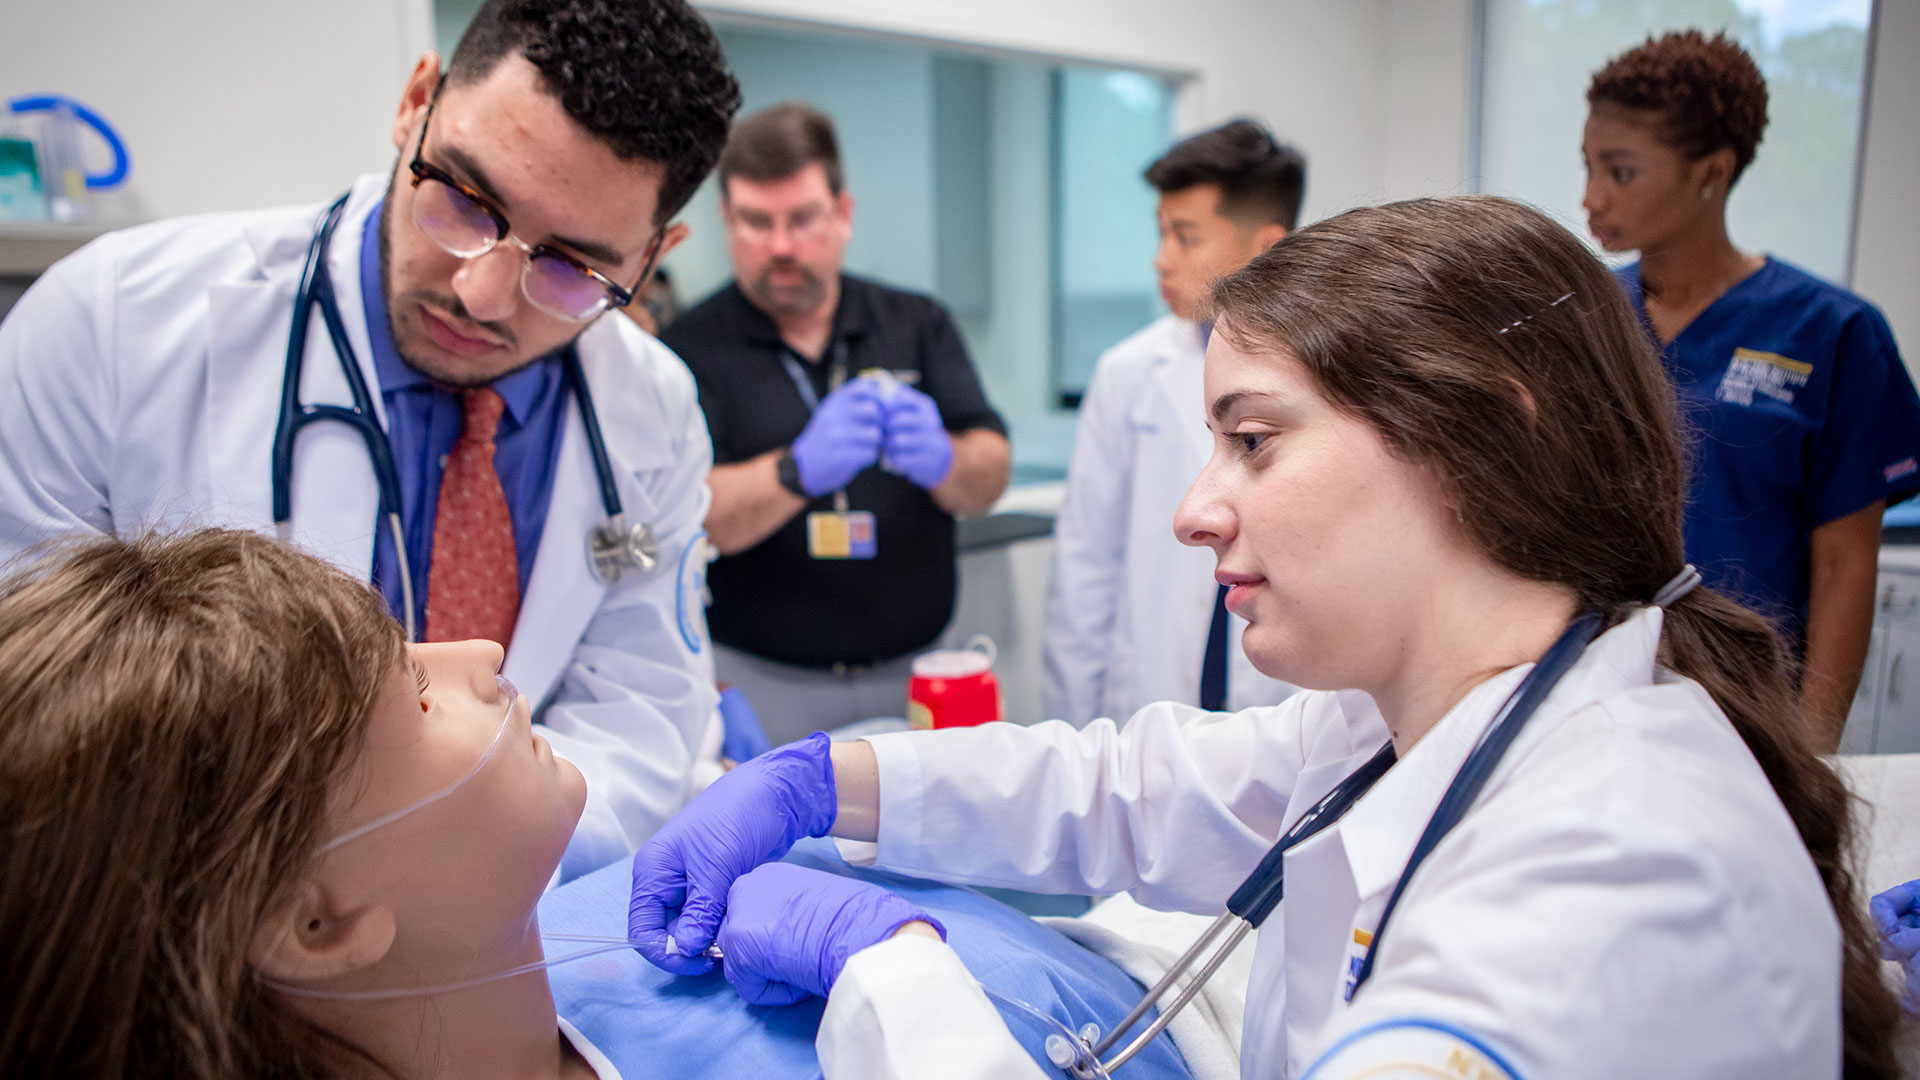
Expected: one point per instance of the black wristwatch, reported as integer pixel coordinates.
(788, 472)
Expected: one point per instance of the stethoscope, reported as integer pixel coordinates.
(1256, 897)
(613, 546)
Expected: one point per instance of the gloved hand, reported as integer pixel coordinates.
(1896, 913)
(917, 444)
(790, 930)
(843, 438)
(749, 816)
(743, 739)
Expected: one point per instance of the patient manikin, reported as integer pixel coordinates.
(409, 940)
(404, 936)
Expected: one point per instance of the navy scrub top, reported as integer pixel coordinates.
(1801, 413)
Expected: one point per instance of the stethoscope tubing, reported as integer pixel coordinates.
(316, 290)
(1263, 889)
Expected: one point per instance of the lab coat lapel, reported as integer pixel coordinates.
(246, 353)
(1381, 831)
(562, 593)
(1320, 895)
(335, 492)
(1182, 389)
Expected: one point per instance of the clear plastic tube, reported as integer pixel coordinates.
(512, 695)
(1076, 1048)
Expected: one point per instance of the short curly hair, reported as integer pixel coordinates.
(647, 77)
(1708, 91)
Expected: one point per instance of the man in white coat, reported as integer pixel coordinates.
(1132, 616)
(141, 382)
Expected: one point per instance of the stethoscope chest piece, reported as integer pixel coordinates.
(614, 547)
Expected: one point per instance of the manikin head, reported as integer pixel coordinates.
(787, 212)
(1671, 125)
(193, 719)
(584, 126)
(1226, 195)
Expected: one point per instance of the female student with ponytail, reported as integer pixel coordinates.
(1441, 441)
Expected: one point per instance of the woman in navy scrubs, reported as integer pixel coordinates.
(1807, 422)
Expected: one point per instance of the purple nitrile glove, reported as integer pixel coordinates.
(1896, 913)
(789, 930)
(843, 438)
(742, 737)
(917, 444)
(749, 816)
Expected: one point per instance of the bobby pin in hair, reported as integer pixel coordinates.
(1514, 325)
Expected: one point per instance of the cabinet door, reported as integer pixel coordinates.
(1898, 729)
(1863, 718)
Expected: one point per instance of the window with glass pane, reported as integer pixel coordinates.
(1795, 201)
(1112, 125)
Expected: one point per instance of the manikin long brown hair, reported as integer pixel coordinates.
(1483, 341)
(176, 711)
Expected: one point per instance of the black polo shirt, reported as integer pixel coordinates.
(775, 600)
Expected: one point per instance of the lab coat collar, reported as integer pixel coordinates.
(1380, 832)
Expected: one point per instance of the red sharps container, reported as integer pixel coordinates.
(955, 687)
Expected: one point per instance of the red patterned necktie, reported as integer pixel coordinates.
(473, 587)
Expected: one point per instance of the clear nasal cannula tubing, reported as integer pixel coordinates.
(512, 695)
(1067, 1049)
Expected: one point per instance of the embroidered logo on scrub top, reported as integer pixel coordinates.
(1754, 372)
(1410, 1048)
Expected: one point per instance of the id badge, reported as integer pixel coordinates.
(842, 534)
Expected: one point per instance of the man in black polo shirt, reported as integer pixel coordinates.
(834, 491)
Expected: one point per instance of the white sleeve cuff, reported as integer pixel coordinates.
(907, 1007)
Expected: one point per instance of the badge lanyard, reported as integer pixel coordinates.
(841, 533)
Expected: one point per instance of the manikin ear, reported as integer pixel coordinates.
(420, 87)
(307, 938)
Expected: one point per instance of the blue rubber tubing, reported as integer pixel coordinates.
(115, 175)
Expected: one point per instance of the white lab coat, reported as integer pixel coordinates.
(139, 387)
(1627, 898)
(1128, 605)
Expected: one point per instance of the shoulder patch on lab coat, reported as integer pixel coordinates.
(690, 598)
(1411, 1048)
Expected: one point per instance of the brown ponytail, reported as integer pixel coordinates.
(1739, 658)
(1481, 339)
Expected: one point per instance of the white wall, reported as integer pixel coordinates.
(225, 103)
(1363, 87)
(888, 159)
(1886, 258)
